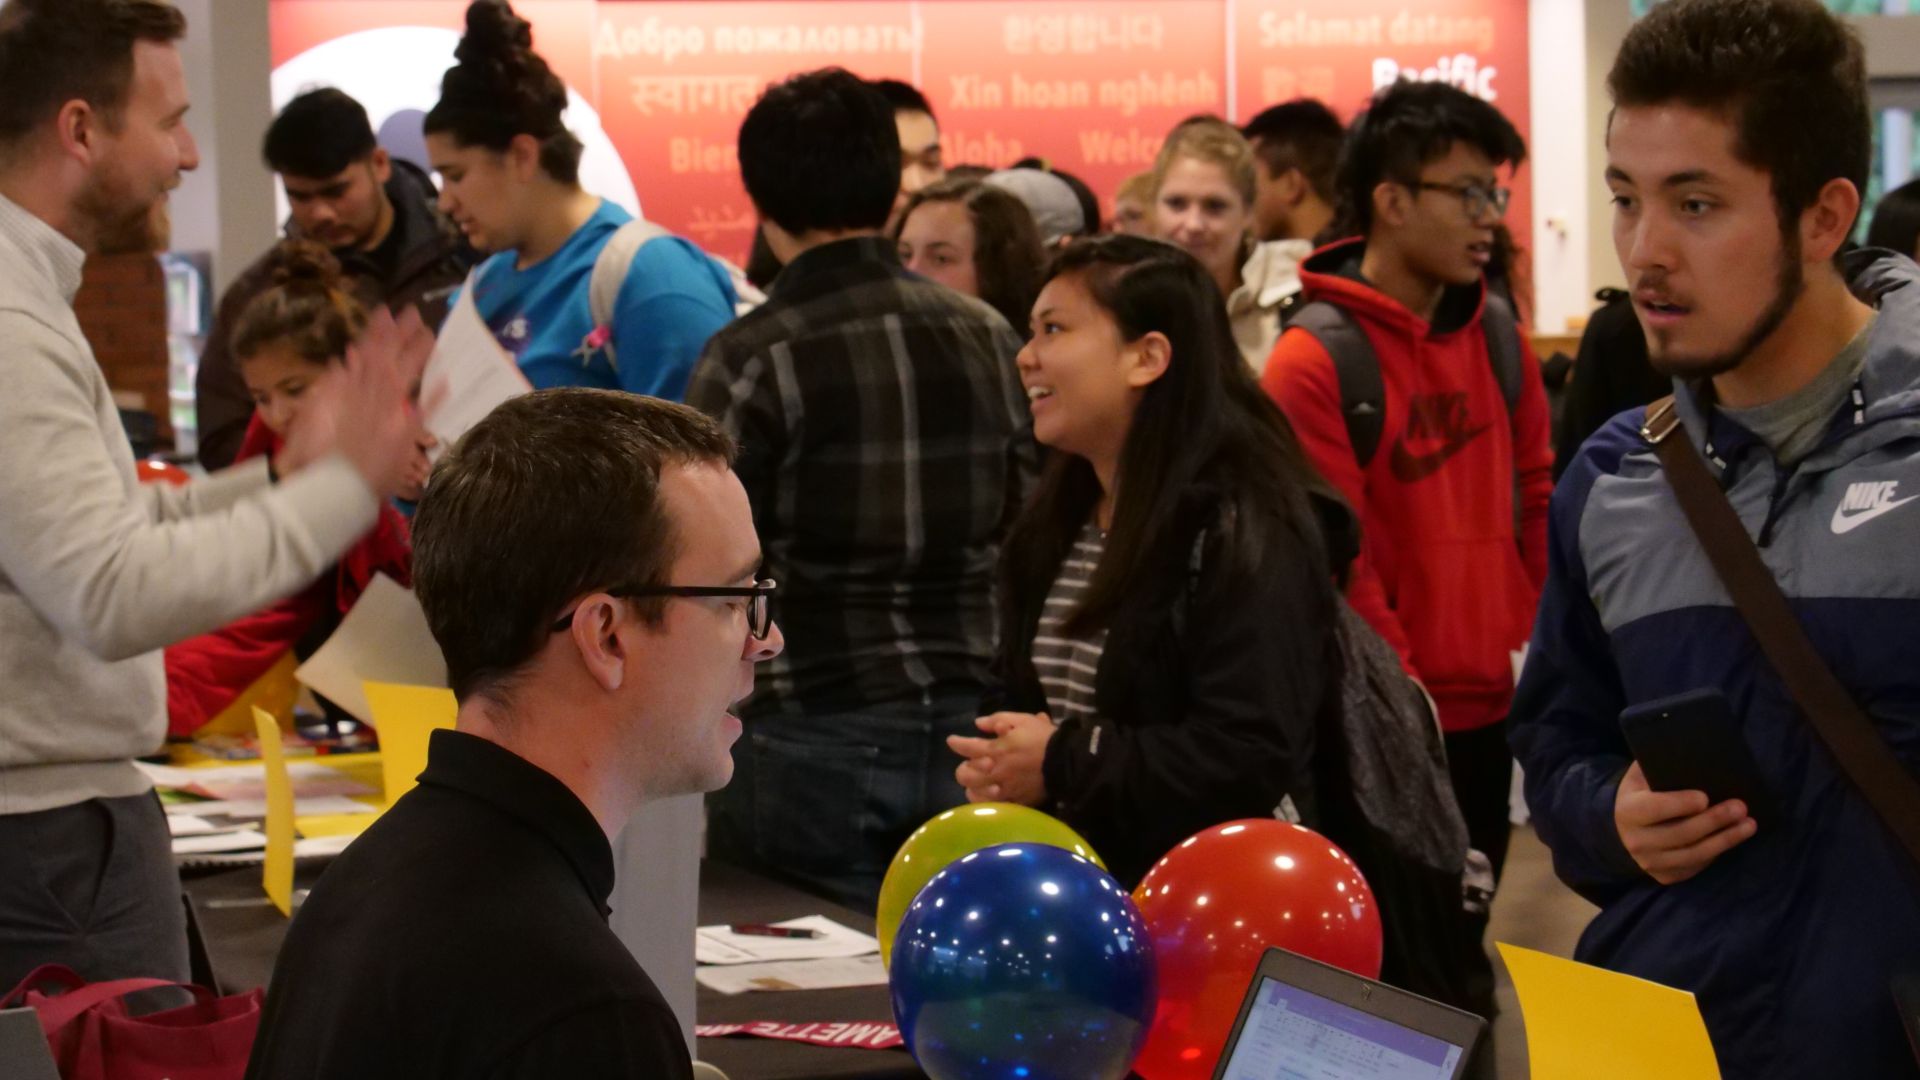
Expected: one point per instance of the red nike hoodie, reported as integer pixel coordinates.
(1442, 574)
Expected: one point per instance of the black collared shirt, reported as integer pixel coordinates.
(465, 935)
(886, 445)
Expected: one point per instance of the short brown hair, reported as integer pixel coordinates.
(56, 51)
(553, 495)
(1788, 74)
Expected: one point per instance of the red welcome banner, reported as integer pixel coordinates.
(856, 1036)
(1092, 86)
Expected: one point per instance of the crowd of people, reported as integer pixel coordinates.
(1087, 513)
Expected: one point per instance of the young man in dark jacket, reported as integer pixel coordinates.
(1736, 154)
(376, 213)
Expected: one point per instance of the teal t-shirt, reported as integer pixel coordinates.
(673, 299)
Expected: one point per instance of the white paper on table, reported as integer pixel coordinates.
(829, 974)
(309, 846)
(246, 782)
(383, 639)
(257, 808)
(467, 375)
(189, 825)
(240, 840)
(718, 945)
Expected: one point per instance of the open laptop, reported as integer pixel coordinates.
(1302, 1018)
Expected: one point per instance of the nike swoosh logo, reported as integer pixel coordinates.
(1844, 523)
(1408, 467)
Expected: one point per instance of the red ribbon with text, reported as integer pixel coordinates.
(856, 1036)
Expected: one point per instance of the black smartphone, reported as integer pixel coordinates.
(1691, 742)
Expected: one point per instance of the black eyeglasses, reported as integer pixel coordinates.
(759, 611)
(1478, 199)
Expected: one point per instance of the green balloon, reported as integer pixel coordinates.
(955, 834)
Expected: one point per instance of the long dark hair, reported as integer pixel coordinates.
(501, 88)
(1203, 431)
(1007, 257)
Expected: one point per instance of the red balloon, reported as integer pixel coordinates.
(155, 471)
(1216, 904)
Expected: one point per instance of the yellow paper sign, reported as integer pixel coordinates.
(405, 716)
(1587, 1023)
(278, 875)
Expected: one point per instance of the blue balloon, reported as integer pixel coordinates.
(1023, 962)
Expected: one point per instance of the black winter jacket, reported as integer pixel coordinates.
(1209, 694)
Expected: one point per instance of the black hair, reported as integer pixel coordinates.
(1301, 134)
(1090, 215)
(500, 88)
(820, 152)
(1896, 221)
(904, 97)
(1789, 74)
(1408, 125)
(1204, 424)
(318, 135)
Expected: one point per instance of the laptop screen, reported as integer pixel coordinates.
(1290, 1033)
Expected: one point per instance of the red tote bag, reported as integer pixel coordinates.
(93, 1037)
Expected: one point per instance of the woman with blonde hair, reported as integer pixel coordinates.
(1203, 203)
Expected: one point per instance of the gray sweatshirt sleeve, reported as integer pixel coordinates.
(123, 573)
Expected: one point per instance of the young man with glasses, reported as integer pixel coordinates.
(1450, 569)
(587, 561)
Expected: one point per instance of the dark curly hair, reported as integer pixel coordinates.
(501, 88)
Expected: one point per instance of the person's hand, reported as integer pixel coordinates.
(420, 466)
(364, 413)
(1007, 766)
(1674, 835)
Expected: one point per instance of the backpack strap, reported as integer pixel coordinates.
(1502, 328)
(615, 261)
(1363, 394)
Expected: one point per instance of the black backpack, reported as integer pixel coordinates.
(1363, 394)
(1386, 799)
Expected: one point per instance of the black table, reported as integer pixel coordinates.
(243, 934)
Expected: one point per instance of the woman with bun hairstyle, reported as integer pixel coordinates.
(1168, 596)
(976, 239)
(510, 178)
(288, 340)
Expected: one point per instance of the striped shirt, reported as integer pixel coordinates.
(1067, 665)
(885, 445)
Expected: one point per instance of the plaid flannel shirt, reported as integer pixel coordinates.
(886, 445)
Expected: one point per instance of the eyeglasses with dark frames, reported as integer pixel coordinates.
(1477, 198)
(759, 610)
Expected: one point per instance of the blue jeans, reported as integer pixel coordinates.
(824, 800)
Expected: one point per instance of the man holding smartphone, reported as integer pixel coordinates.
(1737, 152)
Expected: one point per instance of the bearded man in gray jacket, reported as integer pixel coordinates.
(97, 573)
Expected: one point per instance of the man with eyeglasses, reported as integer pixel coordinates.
(587, 561)
(1413, 389)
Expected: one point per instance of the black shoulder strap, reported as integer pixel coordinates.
(1502, 328)
(1363, 394)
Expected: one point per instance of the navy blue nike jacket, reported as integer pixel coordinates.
(1790, 939)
